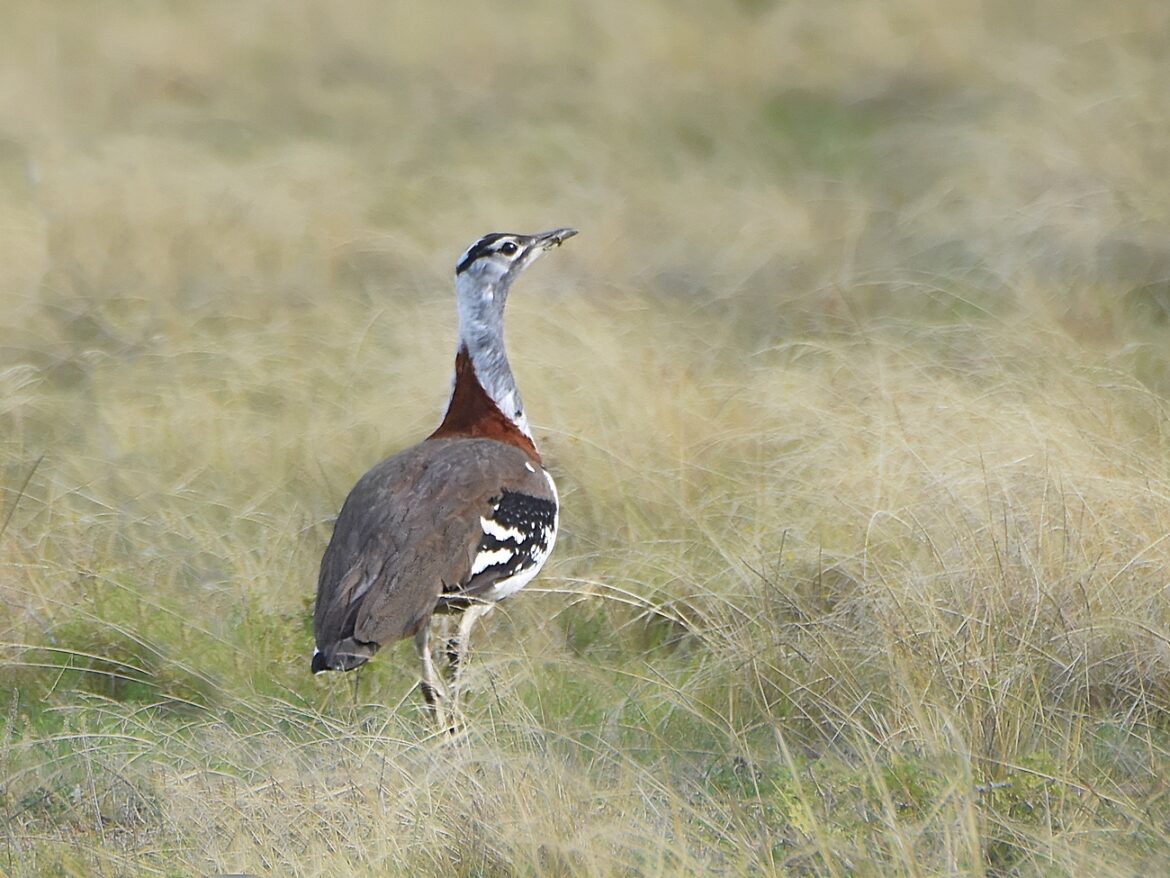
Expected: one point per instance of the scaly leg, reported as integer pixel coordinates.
(431, 686)
(457, 649)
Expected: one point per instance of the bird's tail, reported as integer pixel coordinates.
(345, 655)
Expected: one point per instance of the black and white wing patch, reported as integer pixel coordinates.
(518, 536)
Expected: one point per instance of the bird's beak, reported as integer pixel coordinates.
(548, 240)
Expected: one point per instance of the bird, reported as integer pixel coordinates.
(458, 522)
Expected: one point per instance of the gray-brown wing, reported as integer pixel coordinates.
(408, 529)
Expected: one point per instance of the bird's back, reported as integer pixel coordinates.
(420, 526)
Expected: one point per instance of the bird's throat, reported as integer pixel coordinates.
(474, 413)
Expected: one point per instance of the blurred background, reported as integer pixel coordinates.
(855, 384)
(786, 167)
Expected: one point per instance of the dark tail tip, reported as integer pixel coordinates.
(343, 656)
(319, 662)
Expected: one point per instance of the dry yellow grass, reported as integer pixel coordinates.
(855, 383)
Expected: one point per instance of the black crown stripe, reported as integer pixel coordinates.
(478, 249)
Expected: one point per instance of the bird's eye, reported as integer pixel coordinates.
(508, 248)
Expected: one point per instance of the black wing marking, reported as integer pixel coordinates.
(517, 534)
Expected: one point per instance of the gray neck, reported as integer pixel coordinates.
(481, 332)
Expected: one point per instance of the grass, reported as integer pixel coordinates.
(856, 385)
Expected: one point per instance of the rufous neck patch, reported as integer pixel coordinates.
(473, 414)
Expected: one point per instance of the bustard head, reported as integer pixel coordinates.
(488, 267)
(498, 257)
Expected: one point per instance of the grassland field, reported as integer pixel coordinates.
(856, 384)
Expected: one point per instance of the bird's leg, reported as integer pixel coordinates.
(457, 648)
(431, 686)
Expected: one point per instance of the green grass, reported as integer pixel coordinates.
(856, 386)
